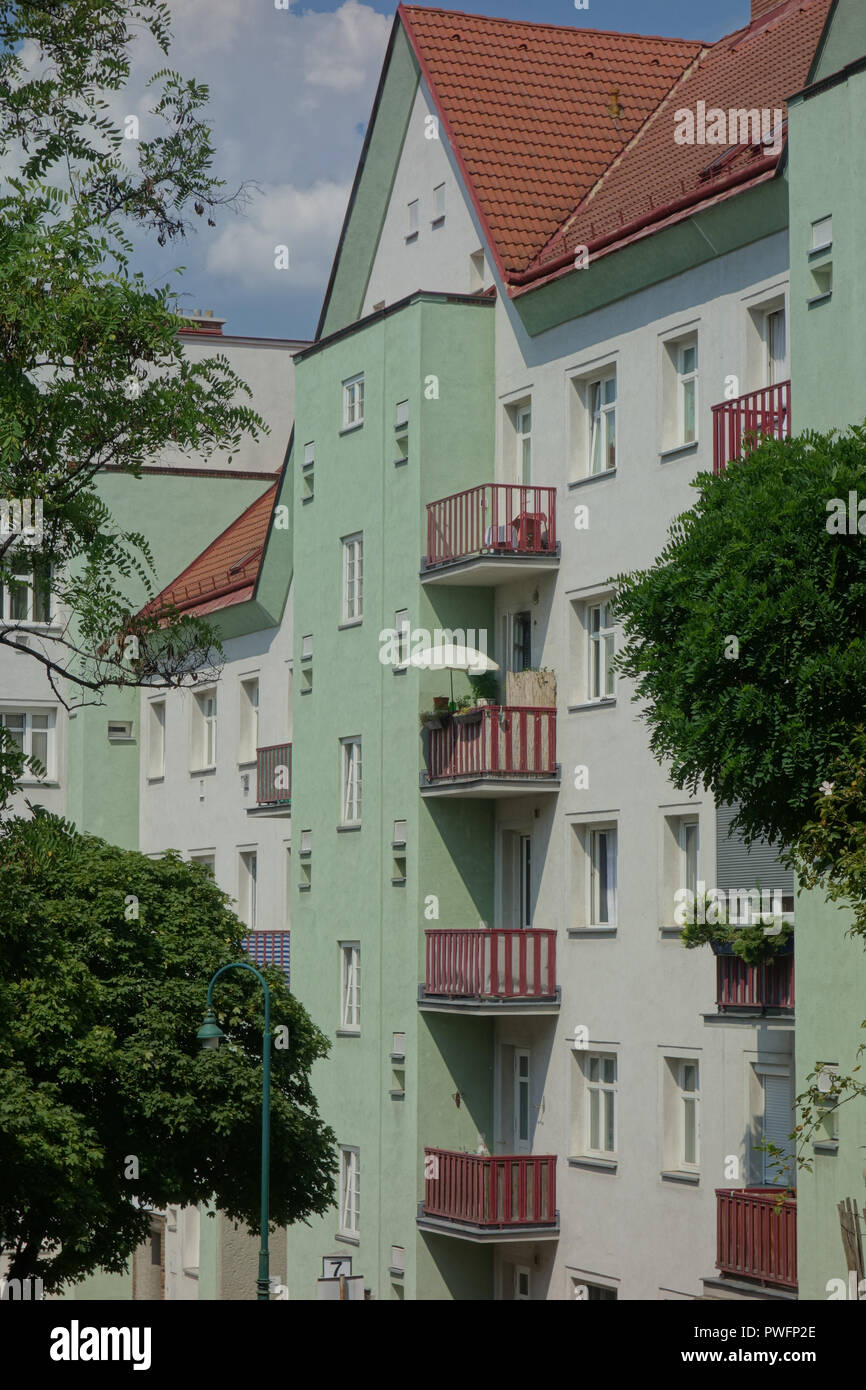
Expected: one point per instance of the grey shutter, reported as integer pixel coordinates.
(739, 867)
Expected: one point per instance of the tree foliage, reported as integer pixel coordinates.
(747, 638)
(105, 958)
(92, 374)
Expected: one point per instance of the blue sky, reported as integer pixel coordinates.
(291, 92)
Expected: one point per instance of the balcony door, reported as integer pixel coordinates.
(777, 1123)
(516, 881)
(776, 342)
(521, 1114)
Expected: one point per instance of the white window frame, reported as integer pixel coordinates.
(204, 751)
(686, 825)
(523, 443)
(21, 718)
(353, 577)
(403, 629)
(822, 228)
(350, 1190)
(600, 672)
(599, 414)
(249, 720)
(248, 894)
(351, 774)
(687, 378)
(438, 204)
(413, 218)
(776, 368)
(687, 1098)
(25, 581)
(350, 986)
(156, 717)
(600, 1087)
(353, 401)
(594, 835)
(522, 1271)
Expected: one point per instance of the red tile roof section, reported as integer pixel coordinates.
(758, 66)
(227, 571)
(531, 110)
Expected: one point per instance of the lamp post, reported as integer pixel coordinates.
(209, 1036)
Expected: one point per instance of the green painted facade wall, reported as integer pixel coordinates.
(828, 389)
(449, 849)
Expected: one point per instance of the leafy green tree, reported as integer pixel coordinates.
(747, 638)
(107, 1105)
(92, 374)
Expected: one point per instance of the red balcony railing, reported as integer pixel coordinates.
(500, 741)
(515, 1190)
(742, 986)
(494, 519)
(739, 423)
(274, 775)
(756, 1236)
(491, 964)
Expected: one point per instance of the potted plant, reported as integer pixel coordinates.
(432, 718)
(755, 942)
(440, 704)
(466, 712)
(485, 688)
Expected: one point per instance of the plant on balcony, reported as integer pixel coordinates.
(756, 942)
(440, 704)
(485, 687)
(433, 718)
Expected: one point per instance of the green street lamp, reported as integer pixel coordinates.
(209, 1035)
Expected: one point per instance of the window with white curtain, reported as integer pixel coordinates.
(687, 372)
(25, 595)
(350, 985)
(601, 397)
(600, 1104)
(351, 778)
(248, 896)
(204, 740)
(249, 730)
(353, 578)
(33, 731)
(353, 401)
(601, 631)
(350, 1190)
(602, 885)
(156, 738)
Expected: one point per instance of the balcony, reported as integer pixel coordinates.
(491, 534)
(273, 781)
(492, 751)
(757, 1236)
(490, 972)
(755, 988)
(270, 948)
(482, 1198)
(739, 424)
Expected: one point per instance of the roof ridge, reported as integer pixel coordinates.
(545, 24)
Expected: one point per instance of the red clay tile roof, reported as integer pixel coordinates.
(537, 112)
(227, 571)
(758, 66)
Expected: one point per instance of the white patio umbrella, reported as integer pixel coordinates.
(451, 657)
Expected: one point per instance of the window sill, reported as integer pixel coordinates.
(400, 670)
(677, 449)
(305, 887)
(37, 782)
(608, 702)
(398, 463)
(670, 933)
(603, 1165)
(352, 622)
(397, 1095)
(246, 764)
(411, 236)
(574, 933)
(347, 829)
(825, 1146)
(396, 1273)
(819, 299)
(305, 500)
(154, 781)
(438, 221)
(347, 1240)
(203, 771)
(820, 250)
(398, 882)
(350, 429)
(591, 478)
(674, 1175)
(348, 1033)
(306, 690)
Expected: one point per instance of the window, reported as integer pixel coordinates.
(350, 1190)
(353, 578)
(689, 847)
(412, 211)
(601, 651)
(687, 392)
(351, 754)
(438, 205)
(249, 731)
(777, 349)
(517, 641)
(522, 1133)
(247, 900)
(687, 1082)
(350, 986)
(601, 1104)
(205, 729)
(25, 597)
(521, 1283)
(822, 233)
(33, 732)
(156, 738)
(602, 885)
(584, 1292)
(307, 476)
(523, 433)
(353, 401)
(477, 272)
(401, 627)
(401, 414)
(602, 424)
(207, 861)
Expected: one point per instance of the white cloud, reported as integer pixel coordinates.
(306, 220)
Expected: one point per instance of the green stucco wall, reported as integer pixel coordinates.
(828, 389)
(358, 487)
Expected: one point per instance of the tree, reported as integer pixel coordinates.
(107, 1105)
(91, 371)
(747, 638)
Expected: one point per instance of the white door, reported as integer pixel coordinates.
(778, 1122)
(522, 1132)
(524, 917)
(523, 429)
